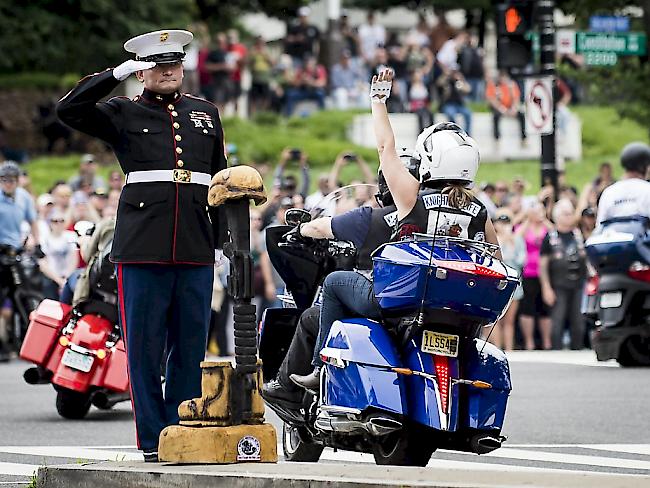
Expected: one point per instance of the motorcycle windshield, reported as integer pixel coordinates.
(297, 264)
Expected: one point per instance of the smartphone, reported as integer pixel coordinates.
(350, 157)
(295, 154)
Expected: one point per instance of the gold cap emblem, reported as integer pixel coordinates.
(164, 36)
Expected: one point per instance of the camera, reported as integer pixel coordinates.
(295, 154)
(350, 157)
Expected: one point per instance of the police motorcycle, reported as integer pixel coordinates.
(79, 350)
(20, 284)
(618, 295)
(420, 380)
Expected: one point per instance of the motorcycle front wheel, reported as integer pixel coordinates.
(295, 446)
(402, 448)
(72, 404)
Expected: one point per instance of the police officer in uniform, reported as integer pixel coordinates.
(169, 145)
(367, 228)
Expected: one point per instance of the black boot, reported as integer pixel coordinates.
(309, 381)
(275, 392)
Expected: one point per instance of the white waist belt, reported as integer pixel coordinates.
(170, 175)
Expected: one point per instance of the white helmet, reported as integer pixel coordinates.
(446, 152)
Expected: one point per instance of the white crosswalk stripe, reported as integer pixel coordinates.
(519, 455)
(575, 358)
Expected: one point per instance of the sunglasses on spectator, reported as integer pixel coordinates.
(5, 179)
(503, 218)
(501, 188)
(57, 221)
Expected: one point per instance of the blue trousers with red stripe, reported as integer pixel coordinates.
(163, 308)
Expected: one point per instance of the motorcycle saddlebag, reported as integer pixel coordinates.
(116, 377)
(44, 329)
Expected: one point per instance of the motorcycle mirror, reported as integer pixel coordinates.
(296, 216)
(84, 228)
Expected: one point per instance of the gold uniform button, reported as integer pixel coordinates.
(141, 204)
(174, 113)
(170, 107)
(180, 163)
(177, 125)
(145, 130)
(179, 150)
(177, 137)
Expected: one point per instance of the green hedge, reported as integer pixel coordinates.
(323, 136)
(41, 81)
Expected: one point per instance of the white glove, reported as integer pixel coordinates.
(219, 258)
(380, 87)
(127, 68)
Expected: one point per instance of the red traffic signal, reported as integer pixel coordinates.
(514, 18)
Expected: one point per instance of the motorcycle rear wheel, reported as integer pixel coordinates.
(72, 404)
(295, 447)
(635, 351)
(402, 448)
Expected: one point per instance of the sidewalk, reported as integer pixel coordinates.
(308, 475)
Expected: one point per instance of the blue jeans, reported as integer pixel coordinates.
(345, 294)
(451, 110)
(295, 95)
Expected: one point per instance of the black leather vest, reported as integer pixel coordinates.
(383, 222)
(432, 214)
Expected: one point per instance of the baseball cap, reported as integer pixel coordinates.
(44, 199)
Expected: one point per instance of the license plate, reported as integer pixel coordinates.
(440, 344)
(611, 300)
(77, 361)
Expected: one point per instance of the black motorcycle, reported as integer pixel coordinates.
(20, 284)
(618, 297)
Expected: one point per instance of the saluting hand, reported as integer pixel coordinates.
(127, 68)
(380, 86)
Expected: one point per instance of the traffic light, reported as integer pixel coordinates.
(514, 21)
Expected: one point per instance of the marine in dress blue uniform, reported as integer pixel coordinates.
(169, 145)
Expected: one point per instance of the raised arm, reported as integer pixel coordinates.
(402, 185)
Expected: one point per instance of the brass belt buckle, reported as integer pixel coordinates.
(182, 175)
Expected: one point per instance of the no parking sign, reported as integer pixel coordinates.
(539, 106)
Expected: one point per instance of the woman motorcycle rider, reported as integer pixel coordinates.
(448, 162)
(367, 228)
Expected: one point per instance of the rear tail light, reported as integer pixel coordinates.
(442, 373)
(469, 267)
(592, 286)
(639, 271)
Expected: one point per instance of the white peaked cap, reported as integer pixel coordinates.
(159, 42)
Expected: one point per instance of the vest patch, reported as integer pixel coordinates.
(391, 219)
(436, 200)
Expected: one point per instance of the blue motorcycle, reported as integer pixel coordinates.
(419, 380)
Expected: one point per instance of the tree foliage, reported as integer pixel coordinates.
(79, 36)
(383, 5)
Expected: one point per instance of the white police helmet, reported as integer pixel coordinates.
(446, 152)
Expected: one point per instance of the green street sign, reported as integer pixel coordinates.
(622, 44)
(600, 58)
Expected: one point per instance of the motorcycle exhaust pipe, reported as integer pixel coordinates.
(378, 426)
(482, 444)
(105, 400)
(37, 376)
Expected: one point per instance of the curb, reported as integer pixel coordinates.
(311, 475)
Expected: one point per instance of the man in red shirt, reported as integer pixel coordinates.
(308, 84)
(236, 56)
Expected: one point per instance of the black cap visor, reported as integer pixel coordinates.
(164, 58)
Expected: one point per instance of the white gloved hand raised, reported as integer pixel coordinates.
(380, 86)
(127, 68)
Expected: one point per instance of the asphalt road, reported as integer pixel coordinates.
(566, 411)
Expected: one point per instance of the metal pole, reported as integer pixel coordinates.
(544, 12)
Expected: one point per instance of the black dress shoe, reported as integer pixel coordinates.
(275, 392)
(150, 455)
(309, 381)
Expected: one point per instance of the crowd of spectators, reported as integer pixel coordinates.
(437, 68)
